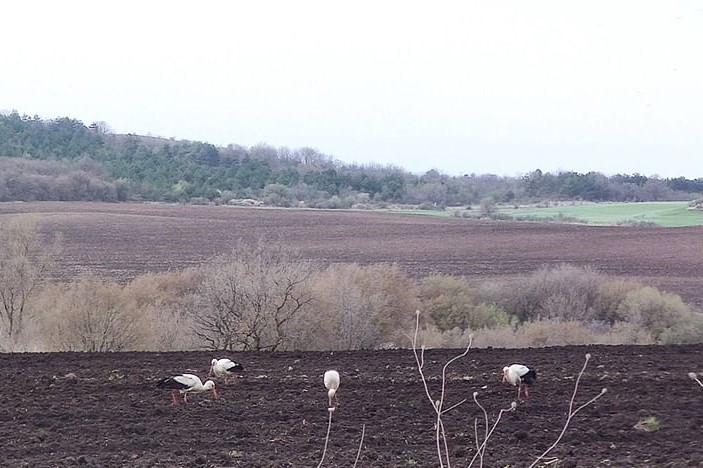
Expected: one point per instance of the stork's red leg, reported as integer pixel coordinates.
(527, 392)
(174, 398)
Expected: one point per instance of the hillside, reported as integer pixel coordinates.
(64, 159)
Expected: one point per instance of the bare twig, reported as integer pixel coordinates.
(420, 360)
(361, 442)
(572, 412)
(440, 435)
(478, 445)
(454, 406)
(327, 437)
(482, 448)
(485, 428)
(695, 377)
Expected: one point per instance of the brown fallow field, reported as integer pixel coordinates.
(121, 241)
(102, 409)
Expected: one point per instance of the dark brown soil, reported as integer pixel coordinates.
(124, 240)
(110, 414)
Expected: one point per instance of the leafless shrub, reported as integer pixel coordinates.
(93, 315)
(566, 296)
(432, 337)
(611, 294)
(488, 207)
(565, 291)
(624, 333)
(564, 333)
(161, 299)
(166, 329)
(30, 180)
(248, 299)
(556, 333)
(361, 307)
(548, 332)
(502, 337)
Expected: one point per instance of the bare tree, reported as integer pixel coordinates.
(248, 299)
(24, 263)
(101, 127)
(488, 207)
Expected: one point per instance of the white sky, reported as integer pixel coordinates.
(492, 86)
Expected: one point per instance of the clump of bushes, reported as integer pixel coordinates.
(452, 302)
(93, 315)
(664, 315)
(359, 307)
(265, 297)
(561, 305)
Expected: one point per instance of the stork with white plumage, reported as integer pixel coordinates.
(224, 368)
(331, 380)
(517, 375)
(184, 384)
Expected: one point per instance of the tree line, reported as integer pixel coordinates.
(64, 159)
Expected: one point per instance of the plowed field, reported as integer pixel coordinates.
(124, 240)
(64, 410)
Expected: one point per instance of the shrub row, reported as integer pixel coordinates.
(258, 299)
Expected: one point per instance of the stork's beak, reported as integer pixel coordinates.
(210, 373)
(215, 394)
(503, 377)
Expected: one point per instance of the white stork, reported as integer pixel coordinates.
(224, 368)
(517, 374)
(185, 384)
(331, 380)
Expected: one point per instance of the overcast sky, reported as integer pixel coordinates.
(493, 86)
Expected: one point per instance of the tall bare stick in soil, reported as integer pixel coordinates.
(361, 443)
(327, 437)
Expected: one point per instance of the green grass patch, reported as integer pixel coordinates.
(665, 214)
(428, 213)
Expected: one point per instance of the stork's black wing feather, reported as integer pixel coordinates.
(530, 378)
(172, 383)
(235, 367)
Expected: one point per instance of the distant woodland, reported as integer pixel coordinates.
(64, 159)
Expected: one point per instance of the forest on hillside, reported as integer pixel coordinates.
(64, 159)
